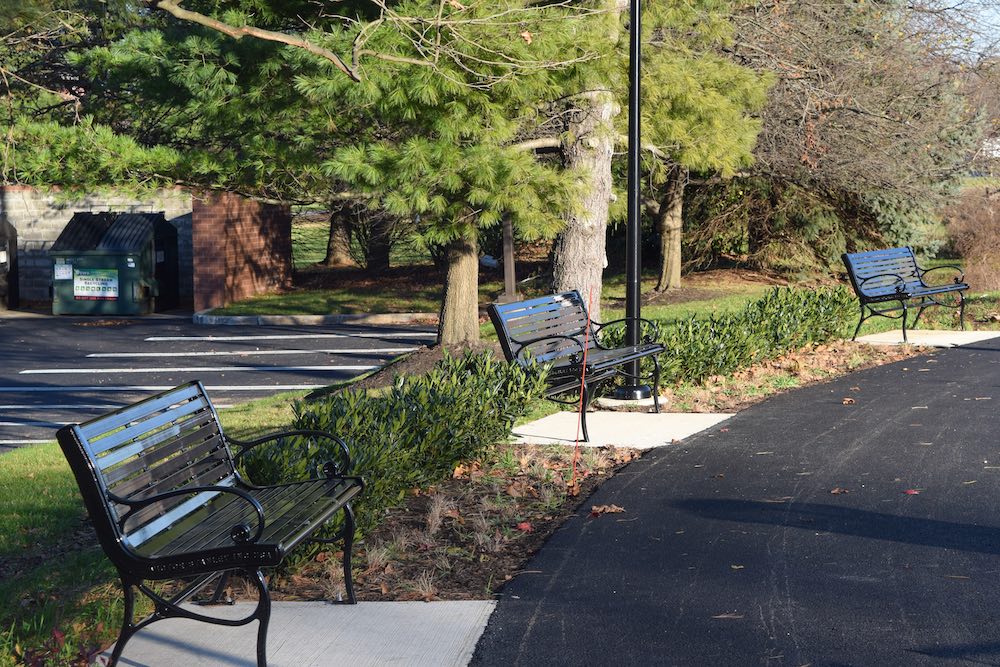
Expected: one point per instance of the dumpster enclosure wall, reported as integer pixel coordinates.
(241, 248)
(8, 265)
(244, 247)
(40, 216)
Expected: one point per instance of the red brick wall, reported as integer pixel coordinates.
(241, 248)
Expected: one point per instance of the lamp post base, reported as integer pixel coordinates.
(633, 392)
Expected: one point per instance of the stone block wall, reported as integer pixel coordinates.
(241, 248)
(39, 217)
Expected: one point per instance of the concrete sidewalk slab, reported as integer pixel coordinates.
(929, 337)
(629, 429)
(317, 634)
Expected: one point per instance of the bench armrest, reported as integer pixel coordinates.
(899, 279)
(240, 532)
(523, 344)
(648, 338)
(960, 278)
(330, 468)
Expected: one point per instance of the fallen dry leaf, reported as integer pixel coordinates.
(385, 588)
(837, 491)
(848, 401)
(526, 36)
(912, 492)
(525, 527)
(598, 510)
(736, 567)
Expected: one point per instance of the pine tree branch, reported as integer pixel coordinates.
(173, 7)
(537, 144)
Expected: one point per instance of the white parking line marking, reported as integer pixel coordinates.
(399, 334)
(244, 353)
(150, 387)
(194, 369)
(34, 423)
(66, 406)
(70, 406)
(10, 443)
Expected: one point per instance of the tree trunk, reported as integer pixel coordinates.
(459, 324)
(580, 256)
(338, 246)
(670, 223)
(379, 245)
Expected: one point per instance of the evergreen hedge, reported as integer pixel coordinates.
(783, 320)
(409, 437)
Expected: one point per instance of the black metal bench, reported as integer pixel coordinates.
(892, 276)
(160, 483)
(555, 331)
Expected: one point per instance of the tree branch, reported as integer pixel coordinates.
(537, 144)
(173, 7)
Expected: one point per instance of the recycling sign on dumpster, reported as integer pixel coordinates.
(95, 284)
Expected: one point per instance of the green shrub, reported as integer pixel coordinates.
(412, 436)
(783, 320)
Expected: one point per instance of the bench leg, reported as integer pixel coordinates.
(263, 615)
(349, 528)
(583, 412)
(961, 310)
(904, 322)
(656, 383)
(860, 322)
(128, 625)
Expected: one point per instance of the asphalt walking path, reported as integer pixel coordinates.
(847, 523)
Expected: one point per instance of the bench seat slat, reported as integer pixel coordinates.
(138, 429)
(152, 460)
(107, 423)
(218, 475)
(157, 526)
(291, 506)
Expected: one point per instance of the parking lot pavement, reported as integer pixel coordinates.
(59, 370)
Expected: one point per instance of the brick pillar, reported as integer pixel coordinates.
(241, 248)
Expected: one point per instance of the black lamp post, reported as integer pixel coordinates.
(633, 260)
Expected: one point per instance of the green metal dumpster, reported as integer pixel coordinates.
(107, 263)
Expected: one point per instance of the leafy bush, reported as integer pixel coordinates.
(783, 320)
(413, 435)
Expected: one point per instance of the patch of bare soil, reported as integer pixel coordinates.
(817, 363)
(463, 539)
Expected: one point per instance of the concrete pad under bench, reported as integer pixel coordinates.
(317, 634)
(628, 429)
(928, 337)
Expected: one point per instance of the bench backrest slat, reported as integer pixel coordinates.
(551, 316)
(167, 442)
(880, 272)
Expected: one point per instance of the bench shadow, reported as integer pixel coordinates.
(978, 653)
(849, 521)
(179, 647)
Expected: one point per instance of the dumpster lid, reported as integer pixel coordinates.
(115, 232)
